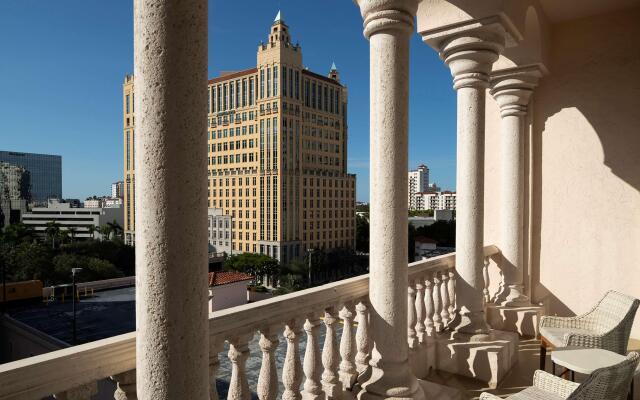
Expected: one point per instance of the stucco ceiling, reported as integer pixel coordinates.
(565, 10)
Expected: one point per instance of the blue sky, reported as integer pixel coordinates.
(63, 63)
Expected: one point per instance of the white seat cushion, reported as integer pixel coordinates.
(556, 335)
(533, 393)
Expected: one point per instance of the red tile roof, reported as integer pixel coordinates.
(226, 277)
(232, 75)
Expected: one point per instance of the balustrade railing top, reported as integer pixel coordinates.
(288, 316)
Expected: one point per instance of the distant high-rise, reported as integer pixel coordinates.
(117, 190)
(277, 153)
(418, 182)
(45, 173)
(15, 192)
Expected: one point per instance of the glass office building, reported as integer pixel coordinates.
(45, 172)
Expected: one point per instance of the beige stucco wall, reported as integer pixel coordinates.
(585, 157)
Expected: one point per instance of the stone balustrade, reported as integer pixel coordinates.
(338, 311)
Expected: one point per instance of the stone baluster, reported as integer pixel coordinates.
(485, 274)
(126, 386)
(238, 354)
(83, 392)
(444, 293)
(215, 347)
(363, 341)
(388, 24)
(170, 68)
(451, 288)
(331, 383)
(268, 378)
(348, 372)
(428, 302)
(437, 304)
(292, 368)
(421, 314)
(412, 339)
(312, 366)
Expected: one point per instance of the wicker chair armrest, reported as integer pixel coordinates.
(552, 321)
(553, 384)
(489, 396)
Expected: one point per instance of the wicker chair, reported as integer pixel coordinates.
(611, 383)
(606, 326)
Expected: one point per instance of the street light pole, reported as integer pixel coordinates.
(74, 271)
(310, 251)
(4, 285)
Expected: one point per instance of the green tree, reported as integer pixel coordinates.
(256, 265)
(362, 234)
(115, 229)
(52, 231)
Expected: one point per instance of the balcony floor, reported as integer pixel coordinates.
(520, 377)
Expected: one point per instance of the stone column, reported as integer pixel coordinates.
(388, 25)
(170, 65)
(470, 56)
(512, 90)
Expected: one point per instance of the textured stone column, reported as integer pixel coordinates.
(470, 57)
(170, 57)
(512, 90)
(388, 25)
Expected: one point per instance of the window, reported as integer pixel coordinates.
(231, 102)
(251, 91)
(237, 94)
(224, 96)
(275, 80)
(284, 81)
(268, 82)
(262, 83)
(219, 101)
(326, 94)
(297, 85)
(244, 95)
(127, 104)
(313, 95)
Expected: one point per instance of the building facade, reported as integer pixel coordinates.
(117, 190)
(277, 154)
(45, 172)
(445, 200)
(220, 231)
(418, 182)
(15, 192)
(79, 219)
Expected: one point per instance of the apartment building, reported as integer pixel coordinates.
(277, 143)
(418, 183)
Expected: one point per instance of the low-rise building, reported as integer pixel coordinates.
(228, 289)
(220, 227)
(445, 200)
(81, 220)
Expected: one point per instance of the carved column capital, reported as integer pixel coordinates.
(387, 15)
(470, 56)
(512, 89)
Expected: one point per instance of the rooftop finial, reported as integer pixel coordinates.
(278, 17)
(333, 66)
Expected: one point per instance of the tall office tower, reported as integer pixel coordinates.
(418, 183)
(45, 172)
(277, 154)
(128, 122)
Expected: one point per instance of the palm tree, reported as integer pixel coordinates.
(105, 231)
(91, 230)
(72, 233)
(115, 227)
(52, 231)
